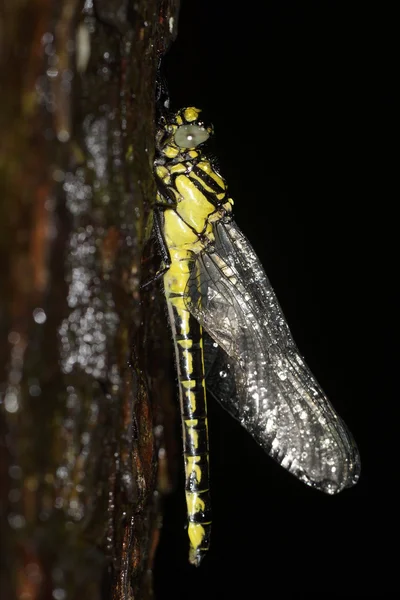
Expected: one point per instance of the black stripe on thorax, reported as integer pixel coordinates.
(208, 180)
(210, 196)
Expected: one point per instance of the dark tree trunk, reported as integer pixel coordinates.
(78, 453)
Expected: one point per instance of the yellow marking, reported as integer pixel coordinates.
(183, 314)
(178, 168)
(171, 151)
(203, 381)
(175, 280)
(194, 503)
(205, 186)
(193, 154)
(186, 344)
(172, 284)
(188, 357)
(188, 385)
(181, 255)
(179, 303)
(191, 113)
(162, 173)
(179, 120)
(176, 232)
(192, 433)
(194, 208)
(191, 466)
(207, 168)
(196, 534)
(191, 422)
(192, 400)
(191, 396)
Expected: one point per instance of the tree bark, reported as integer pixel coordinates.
(78, 349)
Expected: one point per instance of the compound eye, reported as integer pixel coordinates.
(190, 136)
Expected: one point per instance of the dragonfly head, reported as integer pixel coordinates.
(180, 136)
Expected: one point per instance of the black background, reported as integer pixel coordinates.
(300, 96)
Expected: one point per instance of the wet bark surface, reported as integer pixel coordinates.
(82, 354)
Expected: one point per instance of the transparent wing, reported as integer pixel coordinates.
(220, 375)
(257, 372)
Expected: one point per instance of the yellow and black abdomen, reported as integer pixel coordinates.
(187, 337)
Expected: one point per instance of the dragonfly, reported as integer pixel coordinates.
(230, 336)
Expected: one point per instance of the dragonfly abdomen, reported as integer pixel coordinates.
(190, 365)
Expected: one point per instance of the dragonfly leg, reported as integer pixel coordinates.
(164, 252)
